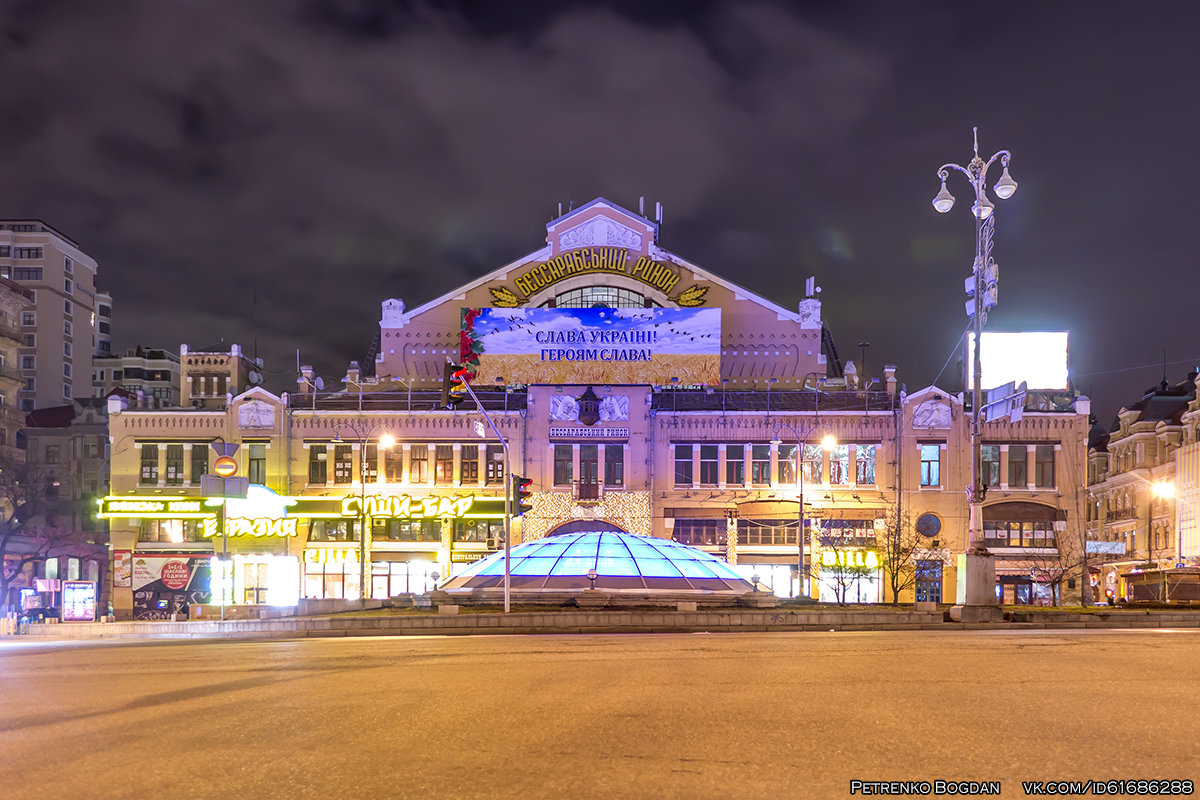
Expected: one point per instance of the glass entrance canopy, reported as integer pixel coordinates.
(623, 562)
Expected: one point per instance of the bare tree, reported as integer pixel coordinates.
(1050, 567)
(844, 559)
(900, 547)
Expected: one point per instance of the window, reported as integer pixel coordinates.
(814, 463)
(104, 327)
(589, 469)
(199, 462)
(5, 252)
(28, 362)
(683, 465)
(760, 464)
(318, 459)
(864, 458)
(29, 339)
(709, 464)
(67, 327)
(68, 285)
(929, 582)
(31, 384)
(699, 532)
(67, 349)
(593, 296)
(68, 267)
(149, 463)
(418, 464)
(931, 461)
(27, 273)
(393, 464)
(443, 464)
(735, 464)
(29, 318)
(68, 307)
(67, 392)
(105, 311)
(257, 464)
(839, 465)
(614, 465)
(1017, 465)
(787, 462)
(1043, 466)
(343, 463)
(174, 465)
(991, 464)
(563, 474)
(66, 370)
(92, 446)
(53, 454)
(371, 465)
(27, 252)
(495, 464)
(478, 530)
(470, 464)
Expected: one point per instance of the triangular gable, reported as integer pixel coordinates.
(258, 393)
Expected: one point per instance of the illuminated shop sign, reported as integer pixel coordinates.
(850, 558)
(593, 260)
(152, 507)
(592, 345)
(405, 507)
(263, 526)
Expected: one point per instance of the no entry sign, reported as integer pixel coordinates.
(225, 466)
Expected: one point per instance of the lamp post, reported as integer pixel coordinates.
(827, 442)
(363, 437)
(1159, 490)
(982, 288)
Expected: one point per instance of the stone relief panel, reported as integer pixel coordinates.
(600, 232)
(563, 408)
(614, 408)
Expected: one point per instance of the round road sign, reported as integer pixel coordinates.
(225, 466)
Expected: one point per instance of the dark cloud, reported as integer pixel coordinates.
(322, 156)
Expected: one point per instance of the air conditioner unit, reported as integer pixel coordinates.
(493, 544)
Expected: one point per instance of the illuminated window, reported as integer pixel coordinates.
(343, 463)
(614, 464)
(478, 530)
(699, 532)
(931, 463)
(991, 464)
(592, 296)
(786, 457)
(1018, 464)
(443, 465)
(495, 464)
(839, 465)
(735, 464)
(683, 465)
(814, 463)
(418, 464)
(864, 458)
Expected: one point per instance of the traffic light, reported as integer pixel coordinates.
(522, 497)
(454, 385)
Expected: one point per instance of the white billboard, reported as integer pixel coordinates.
(1037, 358)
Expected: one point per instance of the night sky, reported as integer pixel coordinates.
(324, 156)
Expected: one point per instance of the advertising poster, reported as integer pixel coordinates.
(122, 569)
(78, 601)
(592, 345)
(166, 584)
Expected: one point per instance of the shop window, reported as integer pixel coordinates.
(1043, 466)
(480, 531)
(443, 464)
(864, 460)
(171, 531)
(1017, 466)
(814, 463)
(175, 465)
(563, 474)
(614, 465)
(149, 463)
(470, 464)
(760, 464)
(700, 532)
(393, 464)
(199, 462)
(333, 530)
(839, 465)
(418, 465)
(495, 464)
(735, 464)
(406, 530)
(767, 531)
(683, 465)
(318, 464)
(257, 464)
(709, 464)
(343, 463)
(991, 464)
(786, 458)
(931, 462)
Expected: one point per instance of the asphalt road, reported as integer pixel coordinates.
(775, 715)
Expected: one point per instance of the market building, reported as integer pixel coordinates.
(638, 392)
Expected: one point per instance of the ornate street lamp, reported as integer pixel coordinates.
(828, 442)
(363, 437)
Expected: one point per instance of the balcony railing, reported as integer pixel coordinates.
(588, 492)
(1125, 513)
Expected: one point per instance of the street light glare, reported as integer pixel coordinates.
(829, 441)
(387, 440)
(1164, 490)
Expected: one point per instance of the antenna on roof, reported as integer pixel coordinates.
(658, 213)
(810, 286)
(1164, 365)
(642, 206)
(560, 209)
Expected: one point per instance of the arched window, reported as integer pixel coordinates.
(604, 296)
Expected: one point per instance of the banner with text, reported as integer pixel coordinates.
(593, 345)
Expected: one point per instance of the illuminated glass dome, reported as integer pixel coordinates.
(623, 563)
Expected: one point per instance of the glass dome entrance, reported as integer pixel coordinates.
(623, 563)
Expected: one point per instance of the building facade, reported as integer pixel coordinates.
(636, 391)
(59, 331)
(149, 376)
(15, 301)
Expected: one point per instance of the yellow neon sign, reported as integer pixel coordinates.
(258, 528)
(849, 558)
(405, 507)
